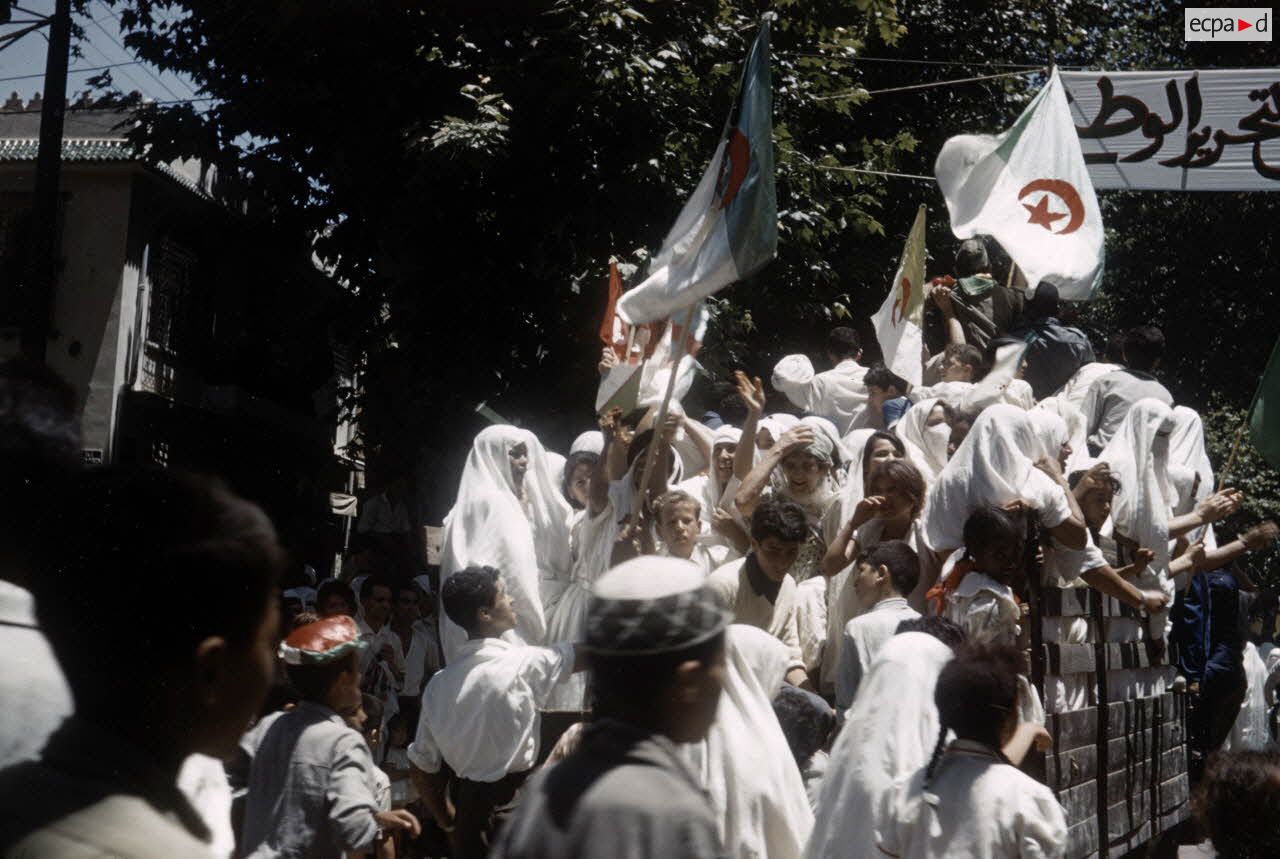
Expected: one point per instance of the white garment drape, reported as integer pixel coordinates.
(1187, 448)
(890, 732)
(528, 544)
(1138, 457)
(1250, 729)
(994, 465)
(745, 763)
(1077, 387)
(1076, 431)
(926, 446)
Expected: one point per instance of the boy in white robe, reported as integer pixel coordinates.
(677, 525)
(883, 578)
(839, 394)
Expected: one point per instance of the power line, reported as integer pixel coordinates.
(72, 108)
(145, 70)
(837, 168)
(856, 92)
(71, 71)
(136, 83)
(120, 21)
(910, 61)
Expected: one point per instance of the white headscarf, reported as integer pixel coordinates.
(488, 526)
(926, 445)
(745, 763)
(1138, 457)
(776, 424)
(707, 488)
(591, 441)
(1186, 448)
(856, 443)
(991, 466)
(1051, 431)
(891, 730)
(1076, 427)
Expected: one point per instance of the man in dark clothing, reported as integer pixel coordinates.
(1054, 351)
(656, 637)
(984, 307)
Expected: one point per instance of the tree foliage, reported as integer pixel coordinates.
(470, 168)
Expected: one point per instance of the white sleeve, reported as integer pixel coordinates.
(423, 752)
(1041, 825)
(982, 618)
(1049, 498)
(545, 667)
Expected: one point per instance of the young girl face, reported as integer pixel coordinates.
(1096, 505)
(804, 473)
(897, 504)
(881, 450)
(959, 430)
(678, 527)
(580, 483)
(999, 560)
(519, 459)
(723, 459)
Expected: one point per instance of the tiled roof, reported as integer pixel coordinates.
(73, 149)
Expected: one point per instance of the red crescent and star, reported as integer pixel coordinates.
(901, 306)
(1042, 215)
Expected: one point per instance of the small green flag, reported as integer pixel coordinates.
(1264, 415)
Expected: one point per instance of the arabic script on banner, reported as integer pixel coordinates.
(1216, 130)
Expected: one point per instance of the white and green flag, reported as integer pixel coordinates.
(728, 229)
(1029, 189)
(898, 321)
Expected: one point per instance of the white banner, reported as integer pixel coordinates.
(1216, 130)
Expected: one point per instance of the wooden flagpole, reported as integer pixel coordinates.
(661, 417)
(1231, 460)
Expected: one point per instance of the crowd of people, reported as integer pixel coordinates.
(803, 635)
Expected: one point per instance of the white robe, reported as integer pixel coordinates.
(1250, 729)
(745, 763)
(1186, 448)
(926, 445)
(1077, 387)
(889, 733)
(839, 394)
(528, 544)
(994, 465)
(1138, 456)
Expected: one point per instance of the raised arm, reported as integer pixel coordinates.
(843, 550)
(941, 295)
(1258, 537)
(1115, 583)
(796, 438)
(1215, 507)
(1070, 532)
(752, 393)
(614, 449)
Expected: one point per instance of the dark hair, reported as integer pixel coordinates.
(313, 682)
(784, 520)
(876, 436)
(1143, 347)
(882, 377)
(971, 258)
(335, 586)
(581, 457)
(633, 418)
(975, 694)
(1074, 478)
(807, 721)
(901, 560)
(989, 525)
(640, 444)
(672, 497)
(398, 720)
(39, 452)
(373, 710)
(843, 342)
(947, 631)
(968, 354)
(905, 476)
(1044, 303)
(375, 580)
(127, 534)
(1114, 353)
(466, 592)
(1238, 803)
(630, 687)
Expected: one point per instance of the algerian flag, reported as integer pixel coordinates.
(898, 320)
(728, 229)
(1264, 415)
(1029, 189)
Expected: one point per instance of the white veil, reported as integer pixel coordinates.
(926, 446)
(488, 526)
(890, 732)
(991, 466)
(1187, 448)
(745, 763)
(1076, 435)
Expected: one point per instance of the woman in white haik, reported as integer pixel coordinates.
(889, 733)
(745, 763)
(1001, 461)
(924, 432)
(715, 490)
(509, 515)
(1186, 448)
